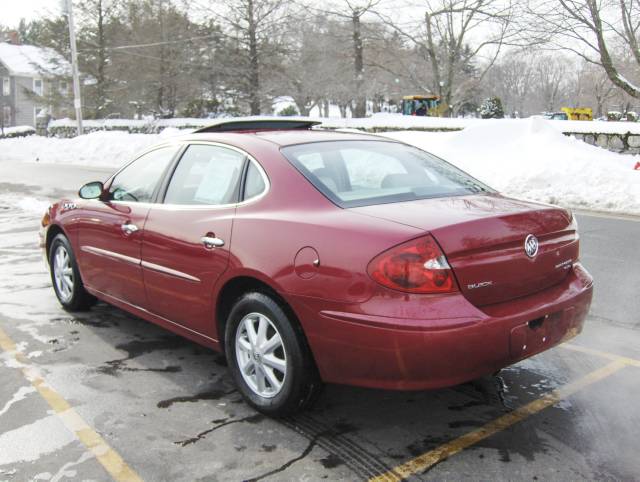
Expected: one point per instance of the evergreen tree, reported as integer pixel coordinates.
(491, 108)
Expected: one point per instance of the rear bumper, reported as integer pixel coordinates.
(452, 342)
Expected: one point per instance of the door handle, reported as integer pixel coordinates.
(211, 242)
(129, 228)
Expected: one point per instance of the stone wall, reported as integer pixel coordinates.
(626, 143)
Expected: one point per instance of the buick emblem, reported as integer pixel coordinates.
(531, 245)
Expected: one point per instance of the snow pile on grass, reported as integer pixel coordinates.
(102, 148)
(68, 128)
(531, 159)
(33, 205)
(384, 121)
(17, 131)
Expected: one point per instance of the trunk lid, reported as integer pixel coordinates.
(483, 238)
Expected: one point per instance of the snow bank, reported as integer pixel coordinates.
(531, 159)
(33, 205)
(398, 121)
(101, 148)
(379, 121)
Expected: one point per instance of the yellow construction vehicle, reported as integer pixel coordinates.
(421, 105)
(578, 113)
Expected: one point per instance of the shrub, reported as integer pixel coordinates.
(20, 131)
(288, 111)
(614, 115)
(491, 108)
(66, 128)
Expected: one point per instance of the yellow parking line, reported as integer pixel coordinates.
(109, 458)
(431, 458)
(602, 354)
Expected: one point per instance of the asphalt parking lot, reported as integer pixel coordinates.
(103, 395)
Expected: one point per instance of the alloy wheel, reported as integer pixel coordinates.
(63, 273)
(261, 355)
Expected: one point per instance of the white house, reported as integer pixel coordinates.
(30, 77)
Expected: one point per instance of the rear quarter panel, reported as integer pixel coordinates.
(269, 233)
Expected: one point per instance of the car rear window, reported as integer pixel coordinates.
(363, 173)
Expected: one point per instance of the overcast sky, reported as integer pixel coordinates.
(11, 11)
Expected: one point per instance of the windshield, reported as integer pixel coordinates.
(362, 173)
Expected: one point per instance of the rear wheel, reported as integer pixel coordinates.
(65, 276)
(269, 358)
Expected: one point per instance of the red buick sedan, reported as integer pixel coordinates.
(311, 256)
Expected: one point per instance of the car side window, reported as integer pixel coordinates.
(254, 183)
(138, 181)
(206, 175)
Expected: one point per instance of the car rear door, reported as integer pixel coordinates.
(111, 231)
(188, 236)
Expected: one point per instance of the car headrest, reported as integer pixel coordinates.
(398, 180)
(325, 177)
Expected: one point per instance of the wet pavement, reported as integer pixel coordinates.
(166, 409)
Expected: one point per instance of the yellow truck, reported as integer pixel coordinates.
(421, 105)
(578, 113)
(571, 113)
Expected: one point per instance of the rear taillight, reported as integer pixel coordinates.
(418, 266)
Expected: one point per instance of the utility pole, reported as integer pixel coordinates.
(77, 97)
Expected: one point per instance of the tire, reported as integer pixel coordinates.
(65, 276)
(281, 393)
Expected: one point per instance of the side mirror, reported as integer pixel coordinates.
(91, 190)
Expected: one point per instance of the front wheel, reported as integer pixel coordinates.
(65, 276)
(268, 357)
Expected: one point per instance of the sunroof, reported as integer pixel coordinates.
(259, 124)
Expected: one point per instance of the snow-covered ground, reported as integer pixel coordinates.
(526, 158)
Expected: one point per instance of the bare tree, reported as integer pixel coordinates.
(512, 79)
(453, 35)
(593, 87)
(311, 70)
(592, 29)
(97, 18)
(551, 75)
(352, 11)
(258, 27)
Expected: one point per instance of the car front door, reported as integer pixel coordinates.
(111, 230)
(188, 236)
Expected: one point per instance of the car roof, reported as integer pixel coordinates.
(290, 137)
(278, 137)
